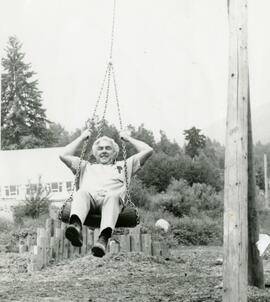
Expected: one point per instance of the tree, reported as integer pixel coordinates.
(196, 141)
(161, 168)
(59, 136)
(166, 146)
(23, 120)
(203, 170)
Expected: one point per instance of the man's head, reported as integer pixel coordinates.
(105, 150)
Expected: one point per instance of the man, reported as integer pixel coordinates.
(102, 185)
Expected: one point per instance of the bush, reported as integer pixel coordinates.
(36, 203)
(198, 231)
(161, 168)
(5, 225)
(139, 194)
(181, 200)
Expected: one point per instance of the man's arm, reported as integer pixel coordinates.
(144, 150)
(67, 152)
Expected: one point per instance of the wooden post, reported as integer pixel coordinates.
(255, 265)
(90, 239)
(114, 247)
(96, 235)
(156, 248)
(147, 244)
(235, 267)
(135, 243)
(265, 181)
(125, 243)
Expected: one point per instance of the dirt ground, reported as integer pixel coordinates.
(192, 274)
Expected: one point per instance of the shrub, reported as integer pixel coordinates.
(139, 194)
(198, 231)
(183, 200)
(5, 225)
(36, 203)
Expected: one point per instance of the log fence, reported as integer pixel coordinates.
(50, 246)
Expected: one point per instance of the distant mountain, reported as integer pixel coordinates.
(260, 126)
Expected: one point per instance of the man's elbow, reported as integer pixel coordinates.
(151, 151)
(62, 155)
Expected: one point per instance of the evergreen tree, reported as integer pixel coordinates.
(23, 120)
(166, 146)
(196, 141)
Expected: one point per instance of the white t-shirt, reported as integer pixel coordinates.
(98, 178)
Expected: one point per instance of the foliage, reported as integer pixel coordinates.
(202, 230)
(161, 168)
(203, 170)
(23, 120)
(36, 203)
(181, 200)
(215, 152)
(166, 146)
(198, 231)
(59, 136)
(139, 194)
(5, 225)
(196, 141)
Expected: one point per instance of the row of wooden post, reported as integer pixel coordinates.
(50, 245)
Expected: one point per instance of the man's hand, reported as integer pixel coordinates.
(100, 195)
(125, 135)
(85, 134)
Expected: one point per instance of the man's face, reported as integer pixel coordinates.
(105, 153)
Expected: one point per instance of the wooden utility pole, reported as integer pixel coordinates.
(255, 265)
(265, 181)
(239, 190)
(0, 106)
(242, 263)
(235, 265)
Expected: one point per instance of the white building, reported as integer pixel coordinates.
(20, 169)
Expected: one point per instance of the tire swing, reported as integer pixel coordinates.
(129, 217)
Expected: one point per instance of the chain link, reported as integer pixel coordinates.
(112, 33)
(90, 126)
(124, 149)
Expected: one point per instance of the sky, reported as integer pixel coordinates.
(170, 58)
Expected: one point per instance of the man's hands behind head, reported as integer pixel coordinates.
(125, 135)
(86, 134)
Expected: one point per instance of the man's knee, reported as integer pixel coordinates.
(112, 198)
(81, 194)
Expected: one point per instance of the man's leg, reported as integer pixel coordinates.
(80, 206)
(110, 210)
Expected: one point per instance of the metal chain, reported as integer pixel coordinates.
(109, 72)
(86, 142)
(90, 121)
(112, 33)
(124, 149)
(100, 130)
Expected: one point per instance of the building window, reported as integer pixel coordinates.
(31, 188)
(54, 186)
(11, 190)
(6, 191)
(48, 187)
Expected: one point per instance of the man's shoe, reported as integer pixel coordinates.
(74, 235)
(99, 248)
